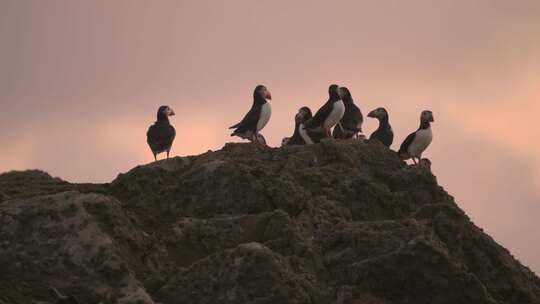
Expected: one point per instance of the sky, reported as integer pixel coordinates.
(80, 82)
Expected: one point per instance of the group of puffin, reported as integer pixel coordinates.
(339, 112)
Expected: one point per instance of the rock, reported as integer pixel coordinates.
(82, 243)
(31, 183)
(250, 273)
(342, 222)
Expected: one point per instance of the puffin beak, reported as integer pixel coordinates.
(372, 114)
(431, 119)
(171, 112)
(268, 95)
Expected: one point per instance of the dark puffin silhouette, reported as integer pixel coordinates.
(257, 117)
(300, 135)
(351, 123)
(329, 114)
(417, 142)
(160, 135)
(384, 133)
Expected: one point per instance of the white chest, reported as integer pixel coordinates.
(421, 141)
(304, 135)
(336, 115)
(266, 112)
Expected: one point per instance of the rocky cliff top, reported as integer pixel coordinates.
(332, 223)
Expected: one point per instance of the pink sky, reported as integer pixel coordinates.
(80, 81)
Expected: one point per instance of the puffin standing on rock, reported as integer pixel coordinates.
(160, 135)
(351, 123)
(384, 133)
(329, 114)
(417, 142)
(300, 135)
(257, 117)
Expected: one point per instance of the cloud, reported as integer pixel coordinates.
(17, 150)
(510, 125)
(494, 186)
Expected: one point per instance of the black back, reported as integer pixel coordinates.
(250, 120)
(384, 133)
(352, 120)
(321, 115)
(161, 134)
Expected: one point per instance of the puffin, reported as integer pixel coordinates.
(160, 135)
(417, 142)
(257, 117)
(384, 133)
(351, 123)
(329, 114)
(300, 135)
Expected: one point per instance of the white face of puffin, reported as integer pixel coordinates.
(168, 111)
(265, 93)
(341, 92)
(299, 117)
(427, 116)
(378, 113)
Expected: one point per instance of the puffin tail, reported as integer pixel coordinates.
(236, 132)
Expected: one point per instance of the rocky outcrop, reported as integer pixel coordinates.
(333, 223)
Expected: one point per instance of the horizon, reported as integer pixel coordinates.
(81, 82)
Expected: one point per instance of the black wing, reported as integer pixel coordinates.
(249, 122)
(313, 135)
(160, 137)
(316, 137)
(406, 143)
(320, 116)
(384, 136)
(356, 119)
(339, 132)
(352, 120)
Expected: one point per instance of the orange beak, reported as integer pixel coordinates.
(268, 95)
